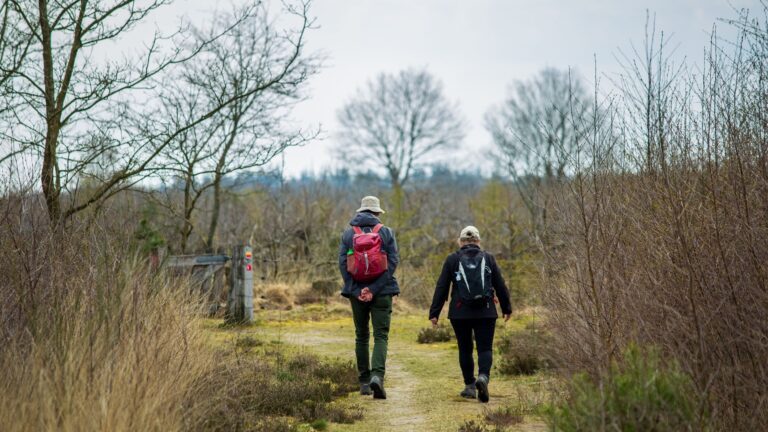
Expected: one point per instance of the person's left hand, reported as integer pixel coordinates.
(365, 295)
(507, 317)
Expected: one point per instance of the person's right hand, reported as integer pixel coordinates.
(365, 295)
(434, 321)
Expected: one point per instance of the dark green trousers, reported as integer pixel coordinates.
(378, 312)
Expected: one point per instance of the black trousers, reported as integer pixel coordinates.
(483, 329)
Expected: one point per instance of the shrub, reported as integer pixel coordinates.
(346, 415)
(278, 297)
(319, 292)
(247, 342)
(319, 424)
(640, 394)
(326, 287)
(498, 420)
(524, 352)
(249, 389)
(505, 417)
(433, 334)
(341, 374)
(309, 296)
(670, 244)
(473, 426)
(101, 344)
(273, 424)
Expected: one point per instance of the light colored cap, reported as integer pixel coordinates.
(470, 233)
(370, 203)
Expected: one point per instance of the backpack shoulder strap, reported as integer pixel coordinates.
(464, 277)
(357, 230)
(482, 272)
(377, 228)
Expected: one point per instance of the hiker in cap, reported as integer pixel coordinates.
(475, 282)
(367, 261)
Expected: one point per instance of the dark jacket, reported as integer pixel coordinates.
(386, 284)
(448, 279)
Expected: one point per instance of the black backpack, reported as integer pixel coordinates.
(474, 279)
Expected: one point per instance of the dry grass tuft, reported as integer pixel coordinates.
(505, 417)
(123, 353)
(276, 296)
(434, 334)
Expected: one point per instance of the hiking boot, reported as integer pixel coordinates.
(365, 390)
(482, 388)
(469, 392)
(377, 385)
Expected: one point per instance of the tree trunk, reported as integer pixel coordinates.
(48, 176)
(48, 172)
(186, 228)
(217, 179)
(214, 211)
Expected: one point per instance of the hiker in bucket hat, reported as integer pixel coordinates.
(475, 283)
(367, 261)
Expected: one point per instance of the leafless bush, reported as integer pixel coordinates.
(661, 235)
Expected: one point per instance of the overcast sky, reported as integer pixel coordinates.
(477, 48)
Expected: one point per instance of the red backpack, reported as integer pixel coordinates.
(367, 261)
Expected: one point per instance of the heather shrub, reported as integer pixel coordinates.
(504, 417)
(640, 393)
(434, 334)
(524, 352)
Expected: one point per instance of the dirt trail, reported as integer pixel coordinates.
(422, 381)
(399, 412)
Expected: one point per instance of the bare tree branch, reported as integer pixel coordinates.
(263, 71)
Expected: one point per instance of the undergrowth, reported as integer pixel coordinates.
(640, 393)
(433, 334)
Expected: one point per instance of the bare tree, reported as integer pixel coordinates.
(91, 119)
(541, 124)
(538, 131)
(398, 120)
(182, 160)
(250, 131)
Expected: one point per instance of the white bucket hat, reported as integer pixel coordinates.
(470, 233)
(370, 203)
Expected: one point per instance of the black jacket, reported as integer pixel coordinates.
(386, 284)
(448, 279)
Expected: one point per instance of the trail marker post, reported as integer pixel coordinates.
(240, 298)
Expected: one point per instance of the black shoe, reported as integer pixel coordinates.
(469, 392)
(365, 390)
(482, 388)
(378, 388)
